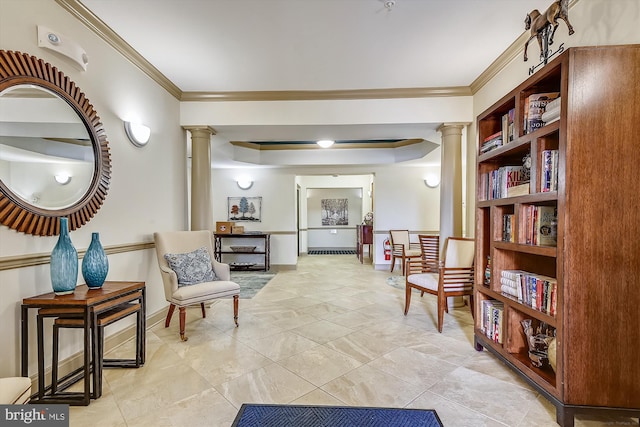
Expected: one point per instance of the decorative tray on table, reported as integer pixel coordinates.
(243, 248)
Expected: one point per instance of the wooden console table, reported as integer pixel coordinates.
(87, 305)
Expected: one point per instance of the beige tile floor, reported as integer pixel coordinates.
(330, 333)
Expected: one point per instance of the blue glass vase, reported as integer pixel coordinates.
(95, 264)
(64, 262)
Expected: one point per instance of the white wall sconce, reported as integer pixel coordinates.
(325, 143)
(62, 178)
(432, 180)
(244, 183)
(137, 133)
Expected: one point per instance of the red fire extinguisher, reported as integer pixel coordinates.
(387, 249)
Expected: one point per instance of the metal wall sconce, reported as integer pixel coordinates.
(137, 133)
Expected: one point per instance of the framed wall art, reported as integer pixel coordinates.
(247, 209)
(335, 211)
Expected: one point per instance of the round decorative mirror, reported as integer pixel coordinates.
(54, 154)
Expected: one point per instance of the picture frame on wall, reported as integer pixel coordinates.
(244, 209)
(334, 211)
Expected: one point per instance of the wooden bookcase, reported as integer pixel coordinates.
(596, 262)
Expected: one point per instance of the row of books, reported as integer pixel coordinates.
(540, 109)
(491, 142)
(492, 320)
(534, 107)
(541, 225)
(508, 126)
(494, 184)
(534, 290)
(508, 234)
(549, 178)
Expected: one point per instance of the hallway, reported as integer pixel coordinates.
(331, 332)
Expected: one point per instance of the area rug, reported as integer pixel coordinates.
(332, 252)
(251, 415)
(396, 281)
(251, 282)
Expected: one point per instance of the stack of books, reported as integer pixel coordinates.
(491, 142)
(535, 107)
(551, 111)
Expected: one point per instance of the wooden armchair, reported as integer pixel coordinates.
(430, 250)
(454, 276)
(402, 248)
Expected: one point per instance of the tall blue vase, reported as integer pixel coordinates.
(95, 264)
(64, 262)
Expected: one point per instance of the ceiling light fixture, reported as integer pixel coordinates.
(325, 143)
(137, 133)
(389, 4)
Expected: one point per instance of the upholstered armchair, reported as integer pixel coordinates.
(15, 390)
(190, 273)
(454, 276)
(402, 248)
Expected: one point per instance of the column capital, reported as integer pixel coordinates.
(452, 126)
(200, 128)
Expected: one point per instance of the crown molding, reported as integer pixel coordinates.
(95, 24)
(512, 52)
(315, 95)
(314, 146)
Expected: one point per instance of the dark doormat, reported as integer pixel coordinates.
(332, 252)
(333, 416)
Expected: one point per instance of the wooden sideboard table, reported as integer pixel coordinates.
(364, 236)
(87, 305)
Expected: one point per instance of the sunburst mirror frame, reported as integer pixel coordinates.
(17, 68)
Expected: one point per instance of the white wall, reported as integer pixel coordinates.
(277, 189)
(596, 23)
(147, 188)
(403, 201)
(335, 236)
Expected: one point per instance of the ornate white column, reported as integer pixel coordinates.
(451, 187)
(201, 199)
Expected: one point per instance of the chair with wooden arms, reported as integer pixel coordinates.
(453, 278)
(186, 273)
(402, 248)
(430, 249)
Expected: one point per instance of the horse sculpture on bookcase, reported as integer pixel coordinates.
(540, 24)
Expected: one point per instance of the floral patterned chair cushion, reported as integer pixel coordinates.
(192, 267)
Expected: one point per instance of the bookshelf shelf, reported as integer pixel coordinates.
(582, 200)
